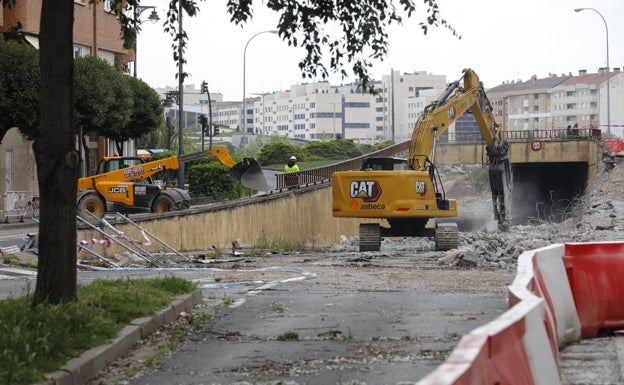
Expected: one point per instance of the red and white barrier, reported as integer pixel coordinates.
(560, 293)
(595, 272)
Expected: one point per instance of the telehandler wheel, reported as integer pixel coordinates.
(163, 203)
(92, 203)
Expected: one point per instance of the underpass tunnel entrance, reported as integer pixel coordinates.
(546, 191)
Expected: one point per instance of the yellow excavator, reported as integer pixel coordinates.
(407, 193)
(125, 183)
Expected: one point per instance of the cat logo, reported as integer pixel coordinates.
(367, 190)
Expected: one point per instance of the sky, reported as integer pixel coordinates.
(500, 40)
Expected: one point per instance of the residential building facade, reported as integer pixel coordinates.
(96, 32)
(319, 110)
(556, 102)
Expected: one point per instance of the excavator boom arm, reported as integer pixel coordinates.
(438, 116)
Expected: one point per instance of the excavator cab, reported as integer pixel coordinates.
(384, 163)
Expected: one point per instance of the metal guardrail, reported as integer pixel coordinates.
(324, 174)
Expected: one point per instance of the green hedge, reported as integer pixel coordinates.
(213, 180)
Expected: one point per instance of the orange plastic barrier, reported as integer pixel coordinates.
(596, 277)
(615, 145)
(526, 338)
(560, 293)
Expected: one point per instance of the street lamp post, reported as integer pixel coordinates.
(153, 17)
(608, 68)
(244, 115)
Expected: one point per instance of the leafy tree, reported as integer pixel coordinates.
(275, 153)
(379, 145)
(19, 89)
(155, 138)
(146, 112)
(354, 32)
(211, 179)
(94, 93)
(118, 116)
(363, 35)
(348, 148)
(324, 150)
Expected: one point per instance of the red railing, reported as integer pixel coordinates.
(324, 174)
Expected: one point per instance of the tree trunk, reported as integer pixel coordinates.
(56, 156)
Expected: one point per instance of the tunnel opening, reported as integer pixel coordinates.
(547, 192)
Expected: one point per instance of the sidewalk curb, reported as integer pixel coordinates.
(82, 369)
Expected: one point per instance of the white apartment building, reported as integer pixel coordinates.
(319, 110)
(404, 98)
(556, 102)
(315, 111)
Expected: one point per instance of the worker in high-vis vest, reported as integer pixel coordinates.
(291, 166)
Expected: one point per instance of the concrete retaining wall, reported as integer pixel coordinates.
(284, 216)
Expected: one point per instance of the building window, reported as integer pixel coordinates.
(81, 51)
(357, 105)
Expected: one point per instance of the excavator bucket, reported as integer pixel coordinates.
(248, 171)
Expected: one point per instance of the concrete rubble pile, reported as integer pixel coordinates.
(597, 216)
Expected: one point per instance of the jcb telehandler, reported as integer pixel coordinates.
(125, 183)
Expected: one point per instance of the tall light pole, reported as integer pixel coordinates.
(244, 115)
(153, 17)
(608, 68)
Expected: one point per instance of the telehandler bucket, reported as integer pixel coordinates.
(250, 174)
(247, 171)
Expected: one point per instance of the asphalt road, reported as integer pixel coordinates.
(330, 318)
(342, 337)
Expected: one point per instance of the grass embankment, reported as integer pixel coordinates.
(35, 341)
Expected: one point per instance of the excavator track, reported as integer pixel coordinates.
(370, 237)
(446, 236)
